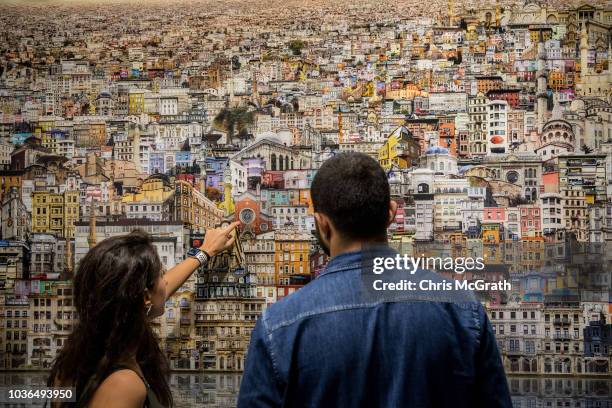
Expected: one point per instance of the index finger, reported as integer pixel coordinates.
(232, 226)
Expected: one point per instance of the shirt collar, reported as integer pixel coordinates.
(349, 260)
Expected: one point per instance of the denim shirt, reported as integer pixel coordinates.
(327, 346)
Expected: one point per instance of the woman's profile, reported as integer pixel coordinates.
(112, 357)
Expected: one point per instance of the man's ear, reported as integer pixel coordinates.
(323, 223)
(392, 211)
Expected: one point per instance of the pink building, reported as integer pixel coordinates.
(494, 214)
(531, 220)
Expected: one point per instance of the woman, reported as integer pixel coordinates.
(112, 358)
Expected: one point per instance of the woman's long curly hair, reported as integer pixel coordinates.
(113, 326)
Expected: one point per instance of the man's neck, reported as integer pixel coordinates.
(336, 250)
(352, 246)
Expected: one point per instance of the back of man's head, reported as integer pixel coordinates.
(352, 190)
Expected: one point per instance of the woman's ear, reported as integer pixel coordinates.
(147, 297)
(148, 303)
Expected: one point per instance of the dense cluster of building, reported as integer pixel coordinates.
(494, 126)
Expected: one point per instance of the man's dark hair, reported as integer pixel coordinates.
(352, 190)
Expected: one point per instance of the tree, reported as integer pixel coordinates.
(233, 119)
(517, 200)
(213, 194)
(296, 47)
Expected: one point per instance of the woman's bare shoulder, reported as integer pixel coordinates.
(122, 389)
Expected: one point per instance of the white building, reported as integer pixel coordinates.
(168, 237)
(552, 212)
(497, 127)
(239, 176)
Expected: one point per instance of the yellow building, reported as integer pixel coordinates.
(532, 253)
(136, 101)
(90, 134)
(400, 150)
(44, 125)
(492, 251)
(9, 179)
(194, 209)
(48, 141)
(408, 91)
(301, 197)
(490, 233)
(54, 212)
(148, 201)
(155, 189)
(558, 80)
(291, 250)
(534, 34)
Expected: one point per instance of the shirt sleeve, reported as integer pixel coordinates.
(260, 385)
(491, 383)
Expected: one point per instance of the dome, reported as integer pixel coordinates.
(422, 171)
(271, 136)
(465, 168)
(436, 150)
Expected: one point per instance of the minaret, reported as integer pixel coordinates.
(91, 239)
(231, 98)
(136, 148)
(584, 56)
(228, 203)
(451, 17)
(67, 253)
(497, 15)
(542, 77)
(68, 256)
(255, 91)
(340, 129)
(609, 62)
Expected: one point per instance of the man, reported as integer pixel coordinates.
(333, 344)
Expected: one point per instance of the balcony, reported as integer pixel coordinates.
(564, 321)
(561, 337)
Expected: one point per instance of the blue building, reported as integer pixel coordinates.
(183, 159)
(214, 171)
(598, 338)
(598, 346)
(156, 162)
